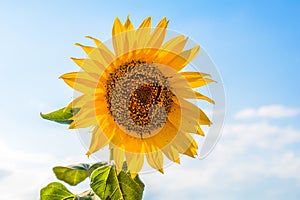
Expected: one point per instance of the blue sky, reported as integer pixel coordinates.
(254, 44)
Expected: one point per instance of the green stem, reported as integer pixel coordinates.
(111, 155)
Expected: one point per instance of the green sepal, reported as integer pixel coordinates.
(75, 174)
(62, 116)
(107, 184)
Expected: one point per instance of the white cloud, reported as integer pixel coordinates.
(23, 174)
(246, 155)
(270, 111)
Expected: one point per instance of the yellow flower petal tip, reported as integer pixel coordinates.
(86, 49)
(90, 37)
(75, 59)
(177, 161)
(200, 131)
(88, 154)
(136, 97)
(161, 170)
(74, 124)
(64, 76)
(61, 76)
(133, 175)
(77, 44)
(96, 41)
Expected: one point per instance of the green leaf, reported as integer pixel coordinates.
(109, 185)
(75, 174)
(56, 191)
(62, 115)
(71, 174)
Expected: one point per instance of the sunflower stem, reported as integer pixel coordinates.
(111, 155)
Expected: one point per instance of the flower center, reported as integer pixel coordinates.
(139, 97)
(143, 99)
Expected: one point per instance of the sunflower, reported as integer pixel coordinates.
(136, 98)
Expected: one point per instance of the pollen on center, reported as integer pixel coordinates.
(139, 97)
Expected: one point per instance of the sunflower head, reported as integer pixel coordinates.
(136, 97)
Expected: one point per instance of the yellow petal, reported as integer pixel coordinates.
(134, 162)
(172, 153)
(127, 142)
(98, 141)
(186, 144)
(190, 110)
(106, 53)
(196, 79)
(137, 145)
(80, 81)
(79, 101)
(146, 23)
(90, 66)
(90, 110)
(203, 97)
(143, 33)
(118, 38)
(191, 152)
(175, 44)
(129, 37)
(163, 23)
(102, 136)
(164, 137)
(200, 131)
(179, 140)
(117, 27)
(119, 156)
(100, 45)
(84, 113)
(156, 160)
(170, 50)
(158, 35)
(182, 122)
(181, 87)
(194, 75)
(84, 122)
(128, 25)
(97, 54)
(87, 49)
(188, 93)
(200, 82)
(185, 57)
